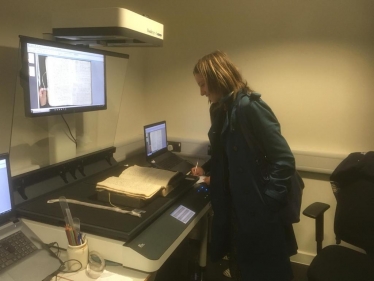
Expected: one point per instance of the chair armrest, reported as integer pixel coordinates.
(316, 211)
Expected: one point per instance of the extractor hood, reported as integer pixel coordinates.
(112, 27)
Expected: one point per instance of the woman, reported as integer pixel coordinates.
(246, 223)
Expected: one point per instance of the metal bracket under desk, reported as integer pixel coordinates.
(35, 183)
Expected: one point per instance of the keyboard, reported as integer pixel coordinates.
(169, 162)
(13, 248)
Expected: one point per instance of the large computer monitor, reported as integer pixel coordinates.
(59, 78)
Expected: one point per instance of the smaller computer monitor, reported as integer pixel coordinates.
(59, 78)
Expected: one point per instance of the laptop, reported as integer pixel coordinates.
(157, 153)
(34, 261)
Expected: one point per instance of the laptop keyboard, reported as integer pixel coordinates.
(13, 248)
(169, 162)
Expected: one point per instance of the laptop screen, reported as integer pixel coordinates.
(155, 138)
(5, 190)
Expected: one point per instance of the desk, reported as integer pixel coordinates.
(146, 251)
(116, 251)
(130, 254)
(112, 272)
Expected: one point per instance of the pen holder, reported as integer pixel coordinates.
(77, 256)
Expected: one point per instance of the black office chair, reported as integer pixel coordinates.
(353, 185)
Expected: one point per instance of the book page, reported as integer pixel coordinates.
(129, 187)
(69, 81)
(139, 181)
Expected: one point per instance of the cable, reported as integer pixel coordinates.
(56, 246)
(19, 60)
(110, 202)
(72, 137)
(70, 271)
(43, 79)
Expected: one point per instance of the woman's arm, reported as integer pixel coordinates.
(266, 131)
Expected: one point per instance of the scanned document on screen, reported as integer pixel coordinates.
(69, 81)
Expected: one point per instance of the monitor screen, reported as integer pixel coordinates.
(155, 138)
(58, 78)
(5, 188)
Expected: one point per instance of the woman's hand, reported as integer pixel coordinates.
(197, 171)
(43, 96)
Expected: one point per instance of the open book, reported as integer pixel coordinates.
(69, 81)
(141, 182)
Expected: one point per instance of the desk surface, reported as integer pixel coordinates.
(107, 275)
(111, 273)
(146, 251)
(98, 221)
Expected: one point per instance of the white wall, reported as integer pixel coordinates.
(313, 61)
(34, 19)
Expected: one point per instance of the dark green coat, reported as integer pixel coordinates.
(260, 238)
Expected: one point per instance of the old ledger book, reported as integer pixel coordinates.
(141, 182)
(69, 81)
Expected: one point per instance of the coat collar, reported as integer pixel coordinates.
(231, 103)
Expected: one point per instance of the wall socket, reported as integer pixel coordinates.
(174, 146)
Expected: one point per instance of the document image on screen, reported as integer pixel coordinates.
(69, 81)
(156, 140)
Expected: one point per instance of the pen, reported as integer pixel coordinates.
(68, 235)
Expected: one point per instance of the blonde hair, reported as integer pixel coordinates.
(220, 74)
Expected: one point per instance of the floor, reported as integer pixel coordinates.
(183, 266)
